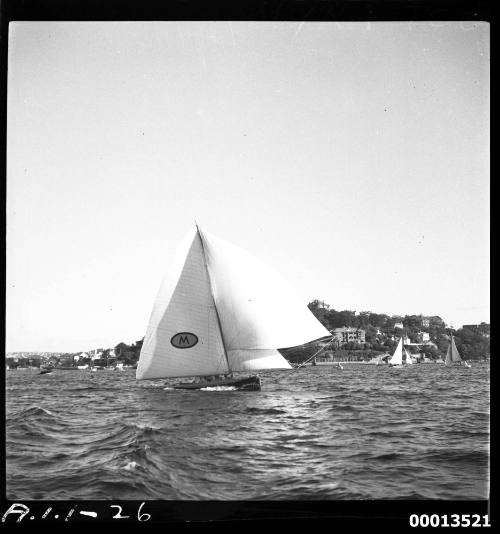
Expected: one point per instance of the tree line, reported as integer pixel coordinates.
(473, 342)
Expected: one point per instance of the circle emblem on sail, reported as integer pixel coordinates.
(184, 340)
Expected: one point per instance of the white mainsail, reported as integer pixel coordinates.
(239, 311)
(452, 354)
(397, 357)
(259, 312)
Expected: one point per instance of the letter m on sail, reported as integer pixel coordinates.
(184, 340)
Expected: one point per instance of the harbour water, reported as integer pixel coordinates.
(364, 432)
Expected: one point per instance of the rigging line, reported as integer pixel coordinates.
(213, 298)
(315, 354)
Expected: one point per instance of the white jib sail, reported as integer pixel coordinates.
(258, 311)
(397, 357)
(184, 305)
(447, 360)
(455, 356)
(409, 361)
(452, 354)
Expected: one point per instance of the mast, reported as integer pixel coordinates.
(212, 293)
(452, 355)
(402, 340)
(449, 351)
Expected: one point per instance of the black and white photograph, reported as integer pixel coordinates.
(247, 261)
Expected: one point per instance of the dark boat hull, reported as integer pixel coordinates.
(247, 383)
(46, 371)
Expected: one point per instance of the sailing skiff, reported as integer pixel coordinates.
(452, 354)
(397, 358)
(222, 311)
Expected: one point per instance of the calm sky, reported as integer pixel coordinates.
(353, 158)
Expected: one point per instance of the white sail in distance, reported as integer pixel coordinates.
(452, 354)
(409, 361)
(397, 357)
(237, 311)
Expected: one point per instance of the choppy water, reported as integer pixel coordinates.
(365, 432)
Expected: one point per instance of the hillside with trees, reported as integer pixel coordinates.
(473, 341)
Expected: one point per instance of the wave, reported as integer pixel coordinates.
(344, 408)
(219, 388)
(151, 385)
(125, 435)
(30, 412)
(144, 427)
(456, 456)
(264, 411)
(30, 424)
(130, 466)
(386, 456)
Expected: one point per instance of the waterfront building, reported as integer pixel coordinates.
(348, 334)
(423, 337)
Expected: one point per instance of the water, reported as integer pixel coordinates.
(365, 432)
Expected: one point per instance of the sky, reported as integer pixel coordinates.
(352, 158)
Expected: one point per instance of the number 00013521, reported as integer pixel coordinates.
(453, 520)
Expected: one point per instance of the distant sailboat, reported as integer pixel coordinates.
(453, 356)
(222, 311)
(401, 356)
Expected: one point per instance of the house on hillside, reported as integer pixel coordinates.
(423, 337)
(347, 334)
